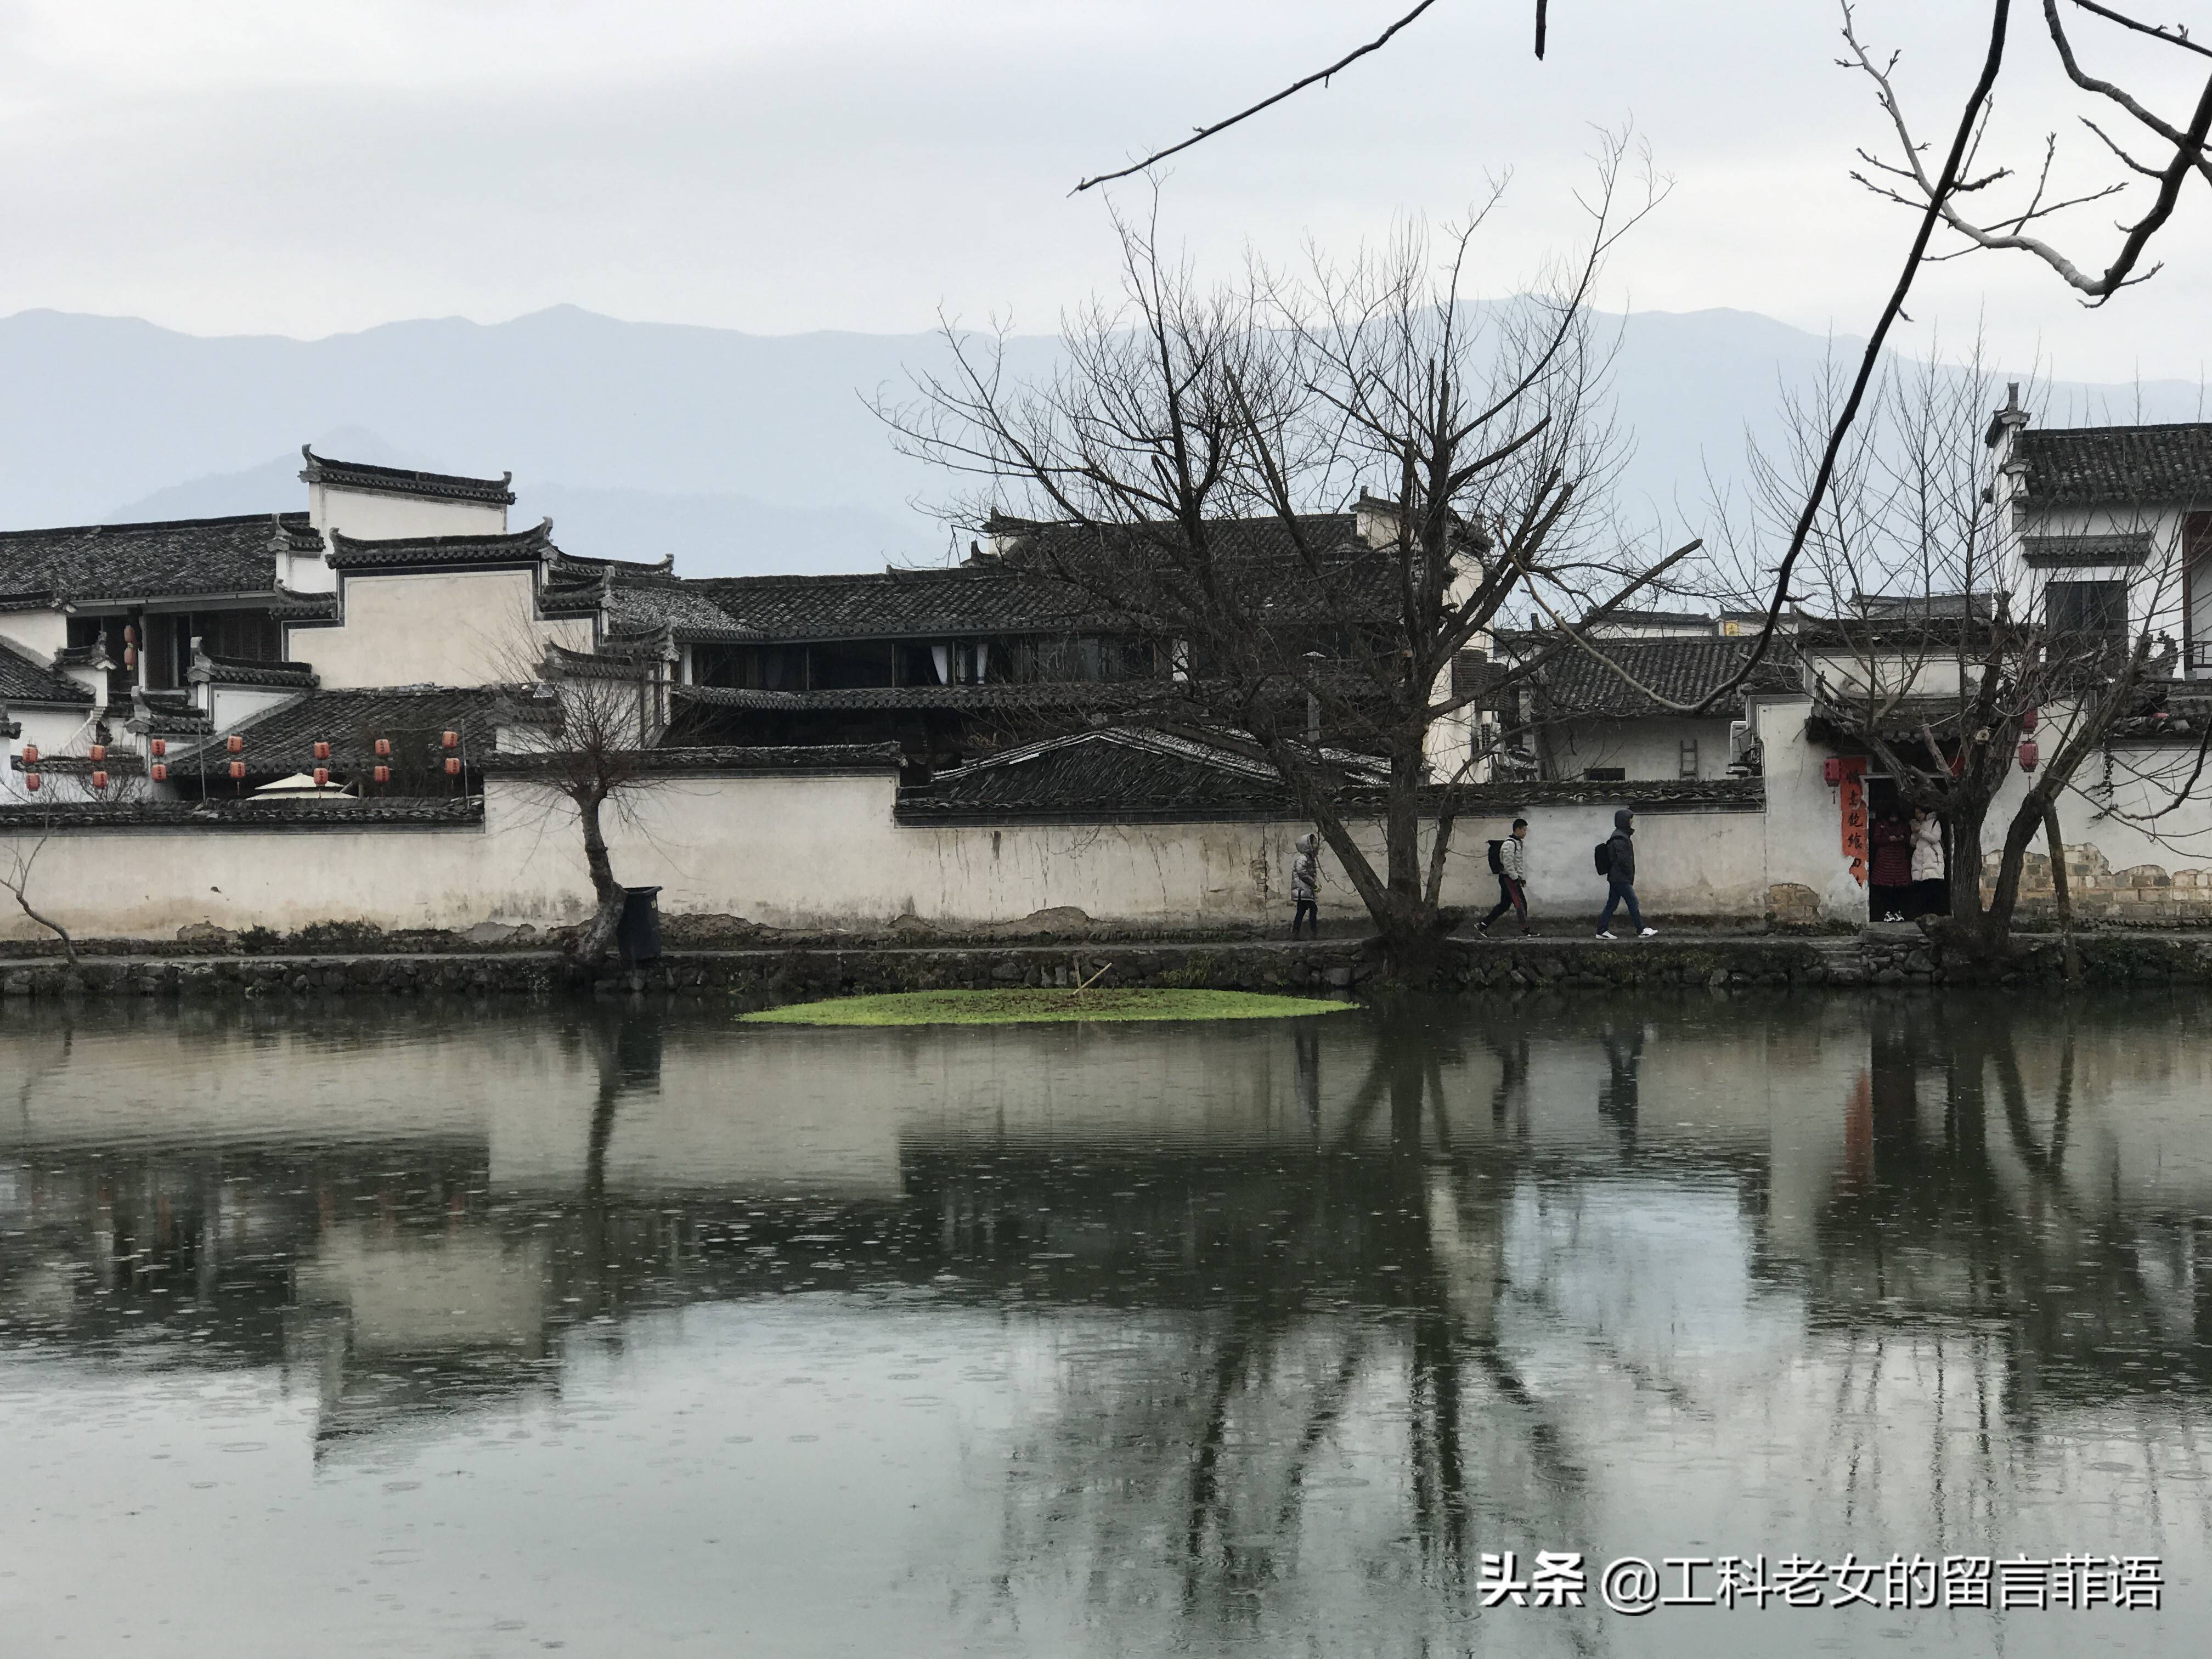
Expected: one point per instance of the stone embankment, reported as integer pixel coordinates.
(1878, 958)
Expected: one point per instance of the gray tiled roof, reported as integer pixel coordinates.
(24, 678)
(1573, 683)
(896, 605)
(230, 671)
(176, 558)
(2124, 464)
(282, 739)
(1269, 566)
(1024, 589)
(1065, 693)
(329, 812)
(634, 605)
(398, 481)
(735, 757)
(2059, 552)
(514, 547)
(1119, 773)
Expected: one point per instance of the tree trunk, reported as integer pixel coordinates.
(598, 938)
(2060, 893)
(68, 944)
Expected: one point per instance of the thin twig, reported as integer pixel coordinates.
(1319, 76)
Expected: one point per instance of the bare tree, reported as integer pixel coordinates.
(582, 732)
(1930, 646)
(19, 859)
(2176, 149)
(1170, 472)
(26, 829)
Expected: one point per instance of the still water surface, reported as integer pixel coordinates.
(363, 1332)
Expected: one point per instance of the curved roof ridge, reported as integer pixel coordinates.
(404, 481)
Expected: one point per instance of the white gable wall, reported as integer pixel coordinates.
(433, 627)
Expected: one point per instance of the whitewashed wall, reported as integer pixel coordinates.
(824, 851)
(1648, 749)
(432, 629)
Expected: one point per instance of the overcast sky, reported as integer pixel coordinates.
(317, 165)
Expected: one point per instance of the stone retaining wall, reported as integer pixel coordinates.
(2140, 894)
(1879, 957)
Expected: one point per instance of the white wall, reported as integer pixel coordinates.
(375, 516)
(823, 851)
(1650, 750)
(41, 633)
(1804, 815)
(50, 731)
(229, 704)
(443, 627)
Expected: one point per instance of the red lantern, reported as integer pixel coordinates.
(30, 754)
(235, 745)
(31, 781)
(449, 740)
(130, 656)
(384, 774)
(2029, 754)
(322, 776)
(158, 747)
(383, 748)
(237, 769)
(453, 766)
(322, 751)
(99, 781)
(160, 771)
(98, 752)
(2028, 721)
(1831, 769)
(130, 635)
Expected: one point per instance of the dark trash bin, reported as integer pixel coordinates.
(638, 933)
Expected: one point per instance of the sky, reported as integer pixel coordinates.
(251, 166)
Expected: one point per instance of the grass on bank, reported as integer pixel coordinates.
(1024, 1007)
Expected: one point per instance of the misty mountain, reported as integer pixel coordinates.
(741, 453)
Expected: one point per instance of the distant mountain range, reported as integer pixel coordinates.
(743, 453)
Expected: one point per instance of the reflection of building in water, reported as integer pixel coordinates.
(412, 1215)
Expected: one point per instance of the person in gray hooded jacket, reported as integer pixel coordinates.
(1305, 885)
(1621, 876)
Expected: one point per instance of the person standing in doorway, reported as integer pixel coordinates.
(1305, 886)
(1892, 871)
(1929, 896)
(1621, 876)
(1510, 859)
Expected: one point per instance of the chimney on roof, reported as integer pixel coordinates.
(2006, 421)
(1375, 520)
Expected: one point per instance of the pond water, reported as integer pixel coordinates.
(363, 1331)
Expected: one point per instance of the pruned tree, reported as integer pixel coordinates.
(1171, 470)
(582, 730)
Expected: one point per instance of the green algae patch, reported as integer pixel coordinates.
(1028, 1007)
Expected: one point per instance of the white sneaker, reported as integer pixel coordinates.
(1648, 933)
(1608, 935)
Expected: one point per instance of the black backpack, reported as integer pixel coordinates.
(1496, 866)
(1605, 858)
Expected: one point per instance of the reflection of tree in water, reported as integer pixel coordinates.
(1358, 1373)
(1975, 1258)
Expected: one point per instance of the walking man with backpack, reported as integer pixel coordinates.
(1509, 862)
(1616, 862)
